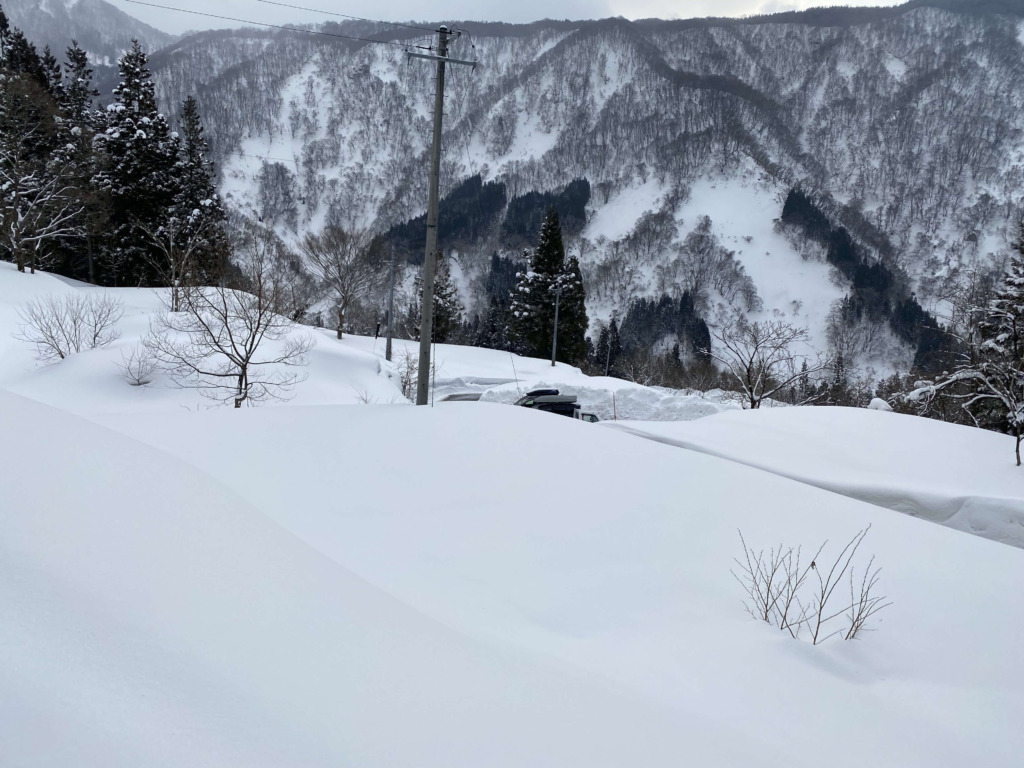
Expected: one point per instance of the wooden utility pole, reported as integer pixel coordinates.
(430, 252)
(391, 306)
(554, 339)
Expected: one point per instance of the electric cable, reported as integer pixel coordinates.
(272, 26)
(345, 15)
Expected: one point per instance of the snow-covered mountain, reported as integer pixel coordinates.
(100, 28)
(903, 124)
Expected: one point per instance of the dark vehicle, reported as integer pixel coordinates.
(551, 401)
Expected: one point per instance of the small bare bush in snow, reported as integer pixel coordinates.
(137, 365)
(61, 325)
(797, 595)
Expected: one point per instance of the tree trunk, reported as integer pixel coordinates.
(241, 394)
(341, 319)
(1018, 445)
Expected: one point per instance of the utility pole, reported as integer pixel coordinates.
(607, 357)
(430, 252)
(391, 306)
(554, 340)
(608, 352)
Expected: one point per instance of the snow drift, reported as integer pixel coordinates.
(960, 477)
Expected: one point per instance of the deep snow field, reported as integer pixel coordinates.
(346, 579)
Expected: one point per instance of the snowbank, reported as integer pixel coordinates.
(466, 585)
(960, 477)
(153, 617)
(612, 556)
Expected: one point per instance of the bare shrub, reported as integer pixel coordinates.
(781, 592)
(216, 343)
(137, 365)
(863, 602)
(408, 366)
(61, 325)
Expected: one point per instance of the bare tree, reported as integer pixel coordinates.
(851, 333)
(760, 357)
(345, 262)
(177, 247)
(217, 343)
(60, 325)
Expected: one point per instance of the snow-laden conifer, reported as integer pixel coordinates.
(141, 160)
(532, 306)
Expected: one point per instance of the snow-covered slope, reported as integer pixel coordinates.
(957, 476)
(301, 584)
(100, 28)
(152, 617)
(463, 585)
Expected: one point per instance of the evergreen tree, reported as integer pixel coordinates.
(79, 123)
(197, 211)
(54, 78)
(5, 33)
(532, 305)
(614, 348)
(39, 203)
(141, 156)
(572, 315)
(606, 353)
(447, 307)
(493, 332)
(447, 315)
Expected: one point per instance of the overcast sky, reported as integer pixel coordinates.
(479, 10)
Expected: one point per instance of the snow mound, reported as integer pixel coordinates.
(608, 555)
(960, 477)
(154, 617)
(623, 402)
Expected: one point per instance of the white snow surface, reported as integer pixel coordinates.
(960, 477)
(471, 584)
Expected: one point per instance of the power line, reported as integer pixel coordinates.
(265, 24)
(345, 16)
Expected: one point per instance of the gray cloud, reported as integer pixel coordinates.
(479, 10)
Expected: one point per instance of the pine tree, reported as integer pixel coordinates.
(52, 73)
(572, 316)
(197, 210)
(532, 305)
(447, 307)
(78, 127)
(39, 203)
(141, 156)
(614, 348)
(447, 315)
(493, 332)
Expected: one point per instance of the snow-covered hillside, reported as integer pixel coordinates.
(889, 118)
(100, 28)
(468, 584)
